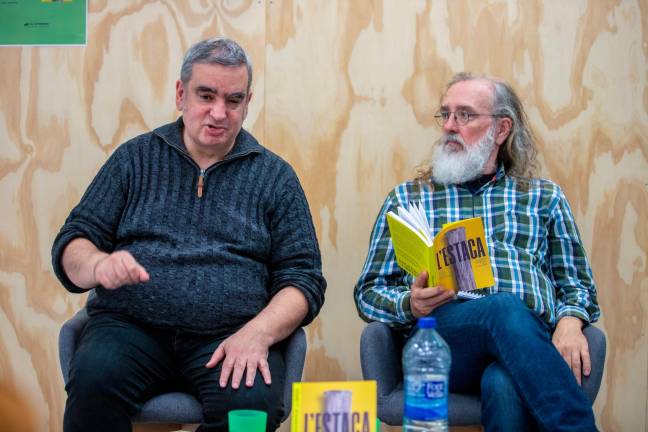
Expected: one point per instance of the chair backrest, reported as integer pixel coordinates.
(294, 350)
(182, 407)
(68, 336)
(597, 345)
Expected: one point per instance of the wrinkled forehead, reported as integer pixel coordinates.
(476, 94)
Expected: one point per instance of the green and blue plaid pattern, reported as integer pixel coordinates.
(534, 246)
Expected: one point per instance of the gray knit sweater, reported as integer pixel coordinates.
(215, 261)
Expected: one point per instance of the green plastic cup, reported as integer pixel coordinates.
(247, 420)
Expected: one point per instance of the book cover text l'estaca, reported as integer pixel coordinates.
(334, 406)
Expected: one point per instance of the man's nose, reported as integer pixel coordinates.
(218, 109)
(451, 125)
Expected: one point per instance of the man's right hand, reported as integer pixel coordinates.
(118, 269)
(424, 299)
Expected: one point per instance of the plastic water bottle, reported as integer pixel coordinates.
(426, 365)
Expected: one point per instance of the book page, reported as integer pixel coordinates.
(412, 215)
(420, 215)
(411, 247)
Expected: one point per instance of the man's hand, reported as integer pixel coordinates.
(119, 269)
(243, 353)
(572, 346)
(247, 350)
(423, 299)
(86, 266)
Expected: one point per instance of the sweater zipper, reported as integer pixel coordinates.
(201, 183)
(201, 177)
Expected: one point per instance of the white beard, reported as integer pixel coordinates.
(455, 167)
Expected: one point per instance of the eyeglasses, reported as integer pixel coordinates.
(462, 117)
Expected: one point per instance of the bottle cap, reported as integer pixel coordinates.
(426, 322)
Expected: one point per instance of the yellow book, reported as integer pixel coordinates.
(456, 258)
(334, 406)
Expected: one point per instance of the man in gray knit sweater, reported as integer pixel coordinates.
(200, 247)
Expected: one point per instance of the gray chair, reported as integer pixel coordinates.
(182, 407)
(380, 356)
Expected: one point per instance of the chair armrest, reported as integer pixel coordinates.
(380, 351)
(68, 337)
(597, 349)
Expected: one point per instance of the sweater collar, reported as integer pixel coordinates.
(245, 143)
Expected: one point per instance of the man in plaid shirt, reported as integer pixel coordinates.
(544, 293)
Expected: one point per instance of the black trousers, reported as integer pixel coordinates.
(119, 364)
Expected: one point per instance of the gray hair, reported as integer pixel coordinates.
(220, 51)
(519, 152)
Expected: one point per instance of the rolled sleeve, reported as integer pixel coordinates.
(296, 260)
(382, 292)
(570, 269)
(95, 218)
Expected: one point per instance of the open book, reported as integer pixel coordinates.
(456, 258)
(334, 406)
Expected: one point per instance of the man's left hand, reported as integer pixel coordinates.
(572, 346)
(243, 353)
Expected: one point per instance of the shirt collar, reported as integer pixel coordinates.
(478, 185)
(245, 143)
(499, 174)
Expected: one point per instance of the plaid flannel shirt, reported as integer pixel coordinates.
(534, 246)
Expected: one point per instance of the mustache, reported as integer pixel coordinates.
(446, 138)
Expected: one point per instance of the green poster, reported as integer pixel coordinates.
(43, 22)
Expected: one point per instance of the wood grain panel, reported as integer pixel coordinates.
(372, 113)
(63, 110)
(346, 92)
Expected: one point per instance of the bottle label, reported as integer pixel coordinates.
(426, 397)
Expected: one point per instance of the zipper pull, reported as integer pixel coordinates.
(201, 183)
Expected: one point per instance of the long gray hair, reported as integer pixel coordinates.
(519, 152)
(220, 51)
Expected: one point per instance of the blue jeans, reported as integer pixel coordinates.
(502, 407)
(119, 364)
(503, 350)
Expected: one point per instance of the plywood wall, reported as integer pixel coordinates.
(346, 91)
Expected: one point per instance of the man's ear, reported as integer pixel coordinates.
(180, 95)
(248, 98)
(504, 126)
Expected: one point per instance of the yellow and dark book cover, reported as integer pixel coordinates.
(334, 406)
(456, 258)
